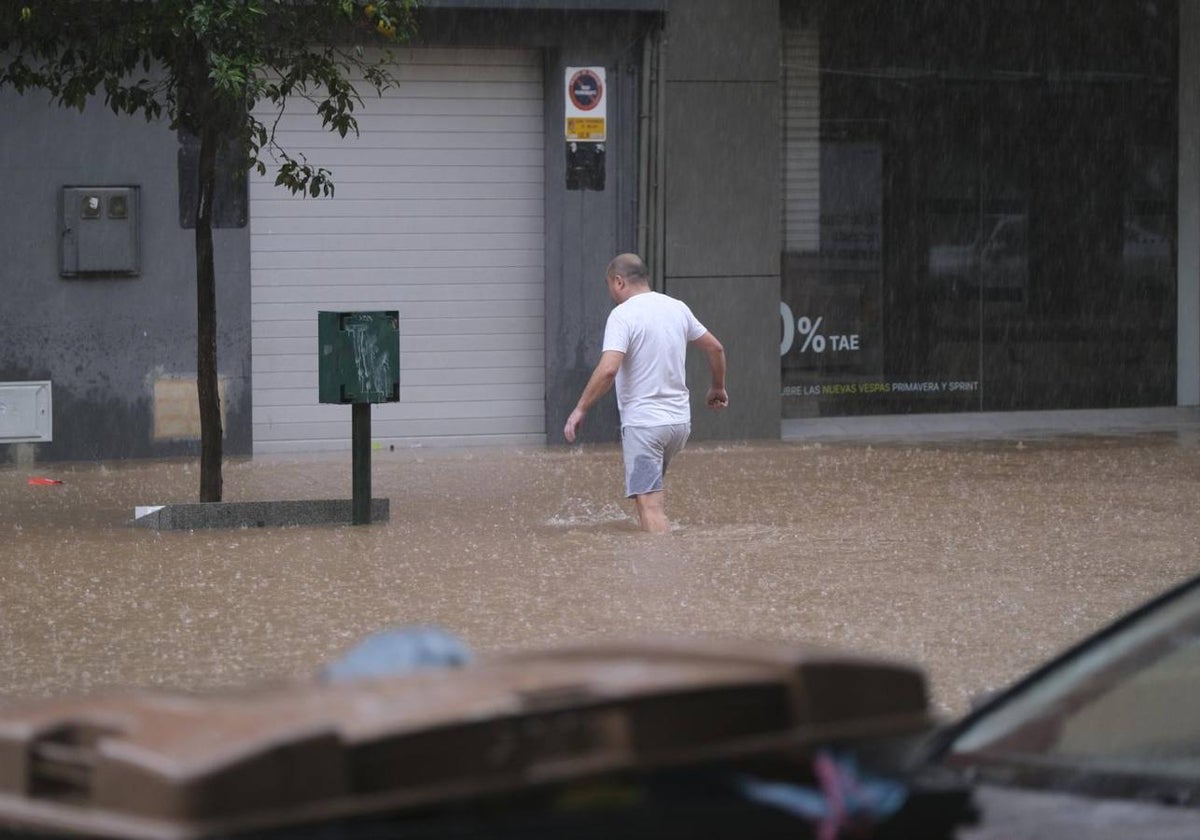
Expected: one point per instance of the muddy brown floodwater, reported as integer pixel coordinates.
(977, 561)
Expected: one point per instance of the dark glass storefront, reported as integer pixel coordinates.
(996, 225)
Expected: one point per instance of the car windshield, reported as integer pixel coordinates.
(1120, 714)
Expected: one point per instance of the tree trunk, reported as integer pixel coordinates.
(211, 434)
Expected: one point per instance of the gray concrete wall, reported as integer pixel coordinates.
(103, 342)
(723, 201)
(721, 129)
(585, 229)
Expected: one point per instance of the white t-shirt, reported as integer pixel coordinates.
(653, 331)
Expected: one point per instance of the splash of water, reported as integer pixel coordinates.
(577, 513)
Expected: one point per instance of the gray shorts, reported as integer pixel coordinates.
(648, 451)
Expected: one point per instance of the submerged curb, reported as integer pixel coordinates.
(197, 515)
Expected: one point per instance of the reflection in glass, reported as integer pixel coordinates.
(981, 194)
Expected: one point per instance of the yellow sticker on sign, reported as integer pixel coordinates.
(585, 128)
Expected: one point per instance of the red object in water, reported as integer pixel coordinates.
(38, 480)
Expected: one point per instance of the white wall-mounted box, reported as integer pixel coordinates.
(26, 412)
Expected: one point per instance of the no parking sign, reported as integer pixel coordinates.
(586, 103)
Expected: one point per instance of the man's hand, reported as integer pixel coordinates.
(717, 397)
(573, 424)
(599, 384)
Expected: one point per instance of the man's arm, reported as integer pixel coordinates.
(599, 384)
(717, 398)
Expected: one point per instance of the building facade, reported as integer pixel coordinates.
(981, 206)
(922, 206)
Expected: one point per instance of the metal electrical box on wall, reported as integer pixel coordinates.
(358, 357)
(26, 413)
(98, 231)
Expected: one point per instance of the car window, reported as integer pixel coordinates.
(1153, 715)
(1126, 704)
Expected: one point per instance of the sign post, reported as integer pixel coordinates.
(359, 363)
(586, 128)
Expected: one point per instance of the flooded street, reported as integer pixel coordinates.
(978, 561)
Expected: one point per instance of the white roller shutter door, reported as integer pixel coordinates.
(438, 213)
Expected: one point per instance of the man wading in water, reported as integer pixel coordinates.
(645, 342)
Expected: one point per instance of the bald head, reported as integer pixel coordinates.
(630, 267)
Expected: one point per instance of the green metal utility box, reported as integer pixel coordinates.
(359, 357)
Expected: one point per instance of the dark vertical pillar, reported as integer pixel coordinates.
(721, 187)
(361, 465)
(587, 228)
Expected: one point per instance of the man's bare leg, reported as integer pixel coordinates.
(652, 512)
